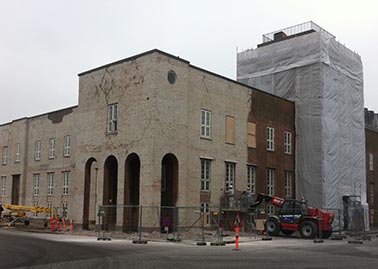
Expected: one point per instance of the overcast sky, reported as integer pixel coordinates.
(44, 44)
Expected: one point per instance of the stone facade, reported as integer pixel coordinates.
(156, 142)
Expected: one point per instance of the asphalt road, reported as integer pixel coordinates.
(33, 250)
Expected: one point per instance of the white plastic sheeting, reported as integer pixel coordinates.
(325, 80)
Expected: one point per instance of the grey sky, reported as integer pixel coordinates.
(44, 44)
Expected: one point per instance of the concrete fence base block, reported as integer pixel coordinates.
(103, 239)
(355, 242)
(137, 241)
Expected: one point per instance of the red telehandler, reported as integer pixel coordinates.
(295, 215)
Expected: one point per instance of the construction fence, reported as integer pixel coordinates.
(201, 223)
(173, 223)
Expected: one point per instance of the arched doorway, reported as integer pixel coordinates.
(110, 191)
(90, 175)
(131, 198)
(169, 190)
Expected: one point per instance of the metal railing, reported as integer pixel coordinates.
(296, 29)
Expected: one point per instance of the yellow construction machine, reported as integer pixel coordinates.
(17, 213)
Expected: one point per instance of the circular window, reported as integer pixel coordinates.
(171, 76)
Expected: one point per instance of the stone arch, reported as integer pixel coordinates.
(90, 166)
(131, 193)
(169, 189)
(110, 190)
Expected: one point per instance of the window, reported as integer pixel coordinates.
(67, 146)
(5, 155)
(50, 183)
(230, 176)
(270, 181)
(112, 118)
(205, 123)
(251, 179)
(205, 208)
(17, 155)
(3, 185)
(251, 139)
(270, 209)
(371, 202)
(230, 130)
(51, 148)
(36, 184)
(65, 210)
(288, 183)
(205, 175)
(66, 177)
(287, 143)
(37, 152)
(270, 138)
(49, 205)
(371, 162)
(34, 213)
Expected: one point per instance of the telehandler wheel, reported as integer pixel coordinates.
(308, 229)
(272, 227)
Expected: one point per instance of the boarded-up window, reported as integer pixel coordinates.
(230, 130)
(251, 135)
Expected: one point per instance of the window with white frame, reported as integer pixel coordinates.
(205, 123)
(112, 118)
(371, 162)
(270, 181)
(52, 148)
(287, 143)
(371, 193)
(205, 174)
(205, 209)
(230, 176)
(67, 146)
(270, 138)
(50, 183)
(66, 177)
(50, 206)
(3, 185)
(35, 214)
(65, 210)
(36, 184)
(37, 151)
(288, 175)
(5, 155)
(17, 155)
(251, 178)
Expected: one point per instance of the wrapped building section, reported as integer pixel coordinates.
(325, 80)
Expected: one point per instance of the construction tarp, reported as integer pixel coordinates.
(325, 79)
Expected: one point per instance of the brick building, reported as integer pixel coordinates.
(371, 138)
(151, 130)
(305, 64)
